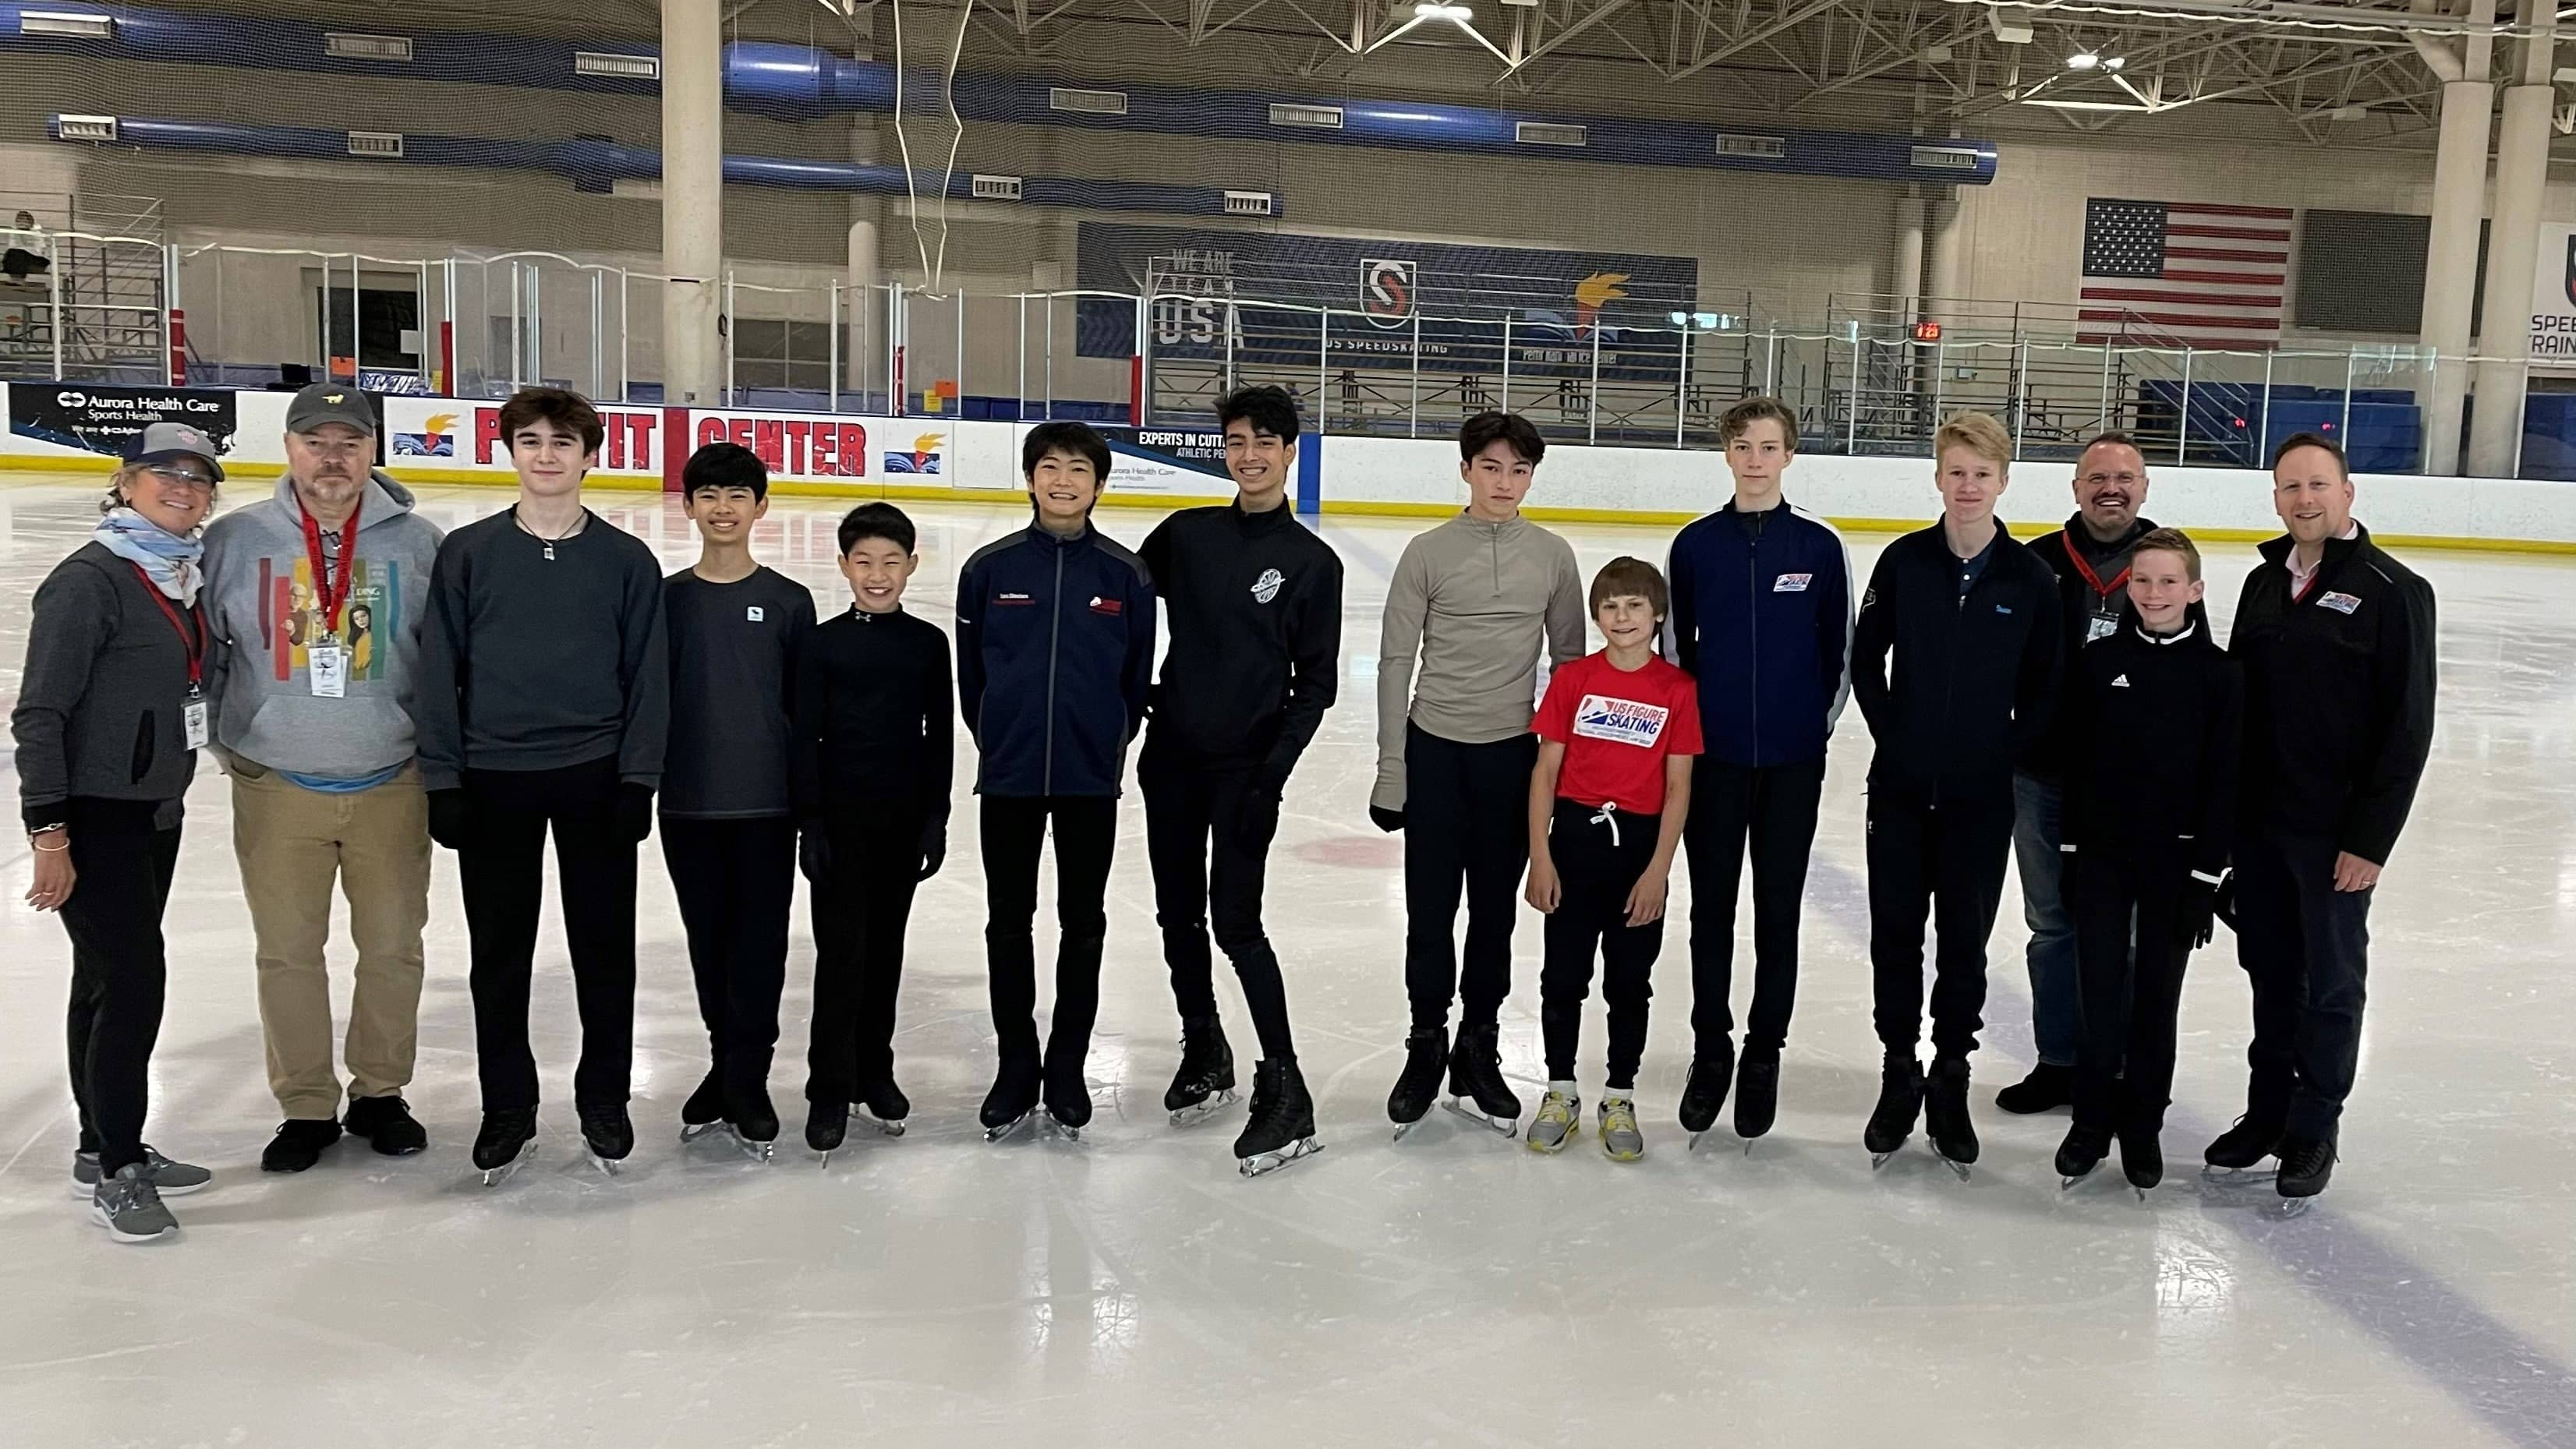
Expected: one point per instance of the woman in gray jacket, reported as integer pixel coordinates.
(111, 712)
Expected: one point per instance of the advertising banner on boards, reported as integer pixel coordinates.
(1188, 461)
(98, 418)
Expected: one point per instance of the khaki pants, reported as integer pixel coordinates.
(292, 843)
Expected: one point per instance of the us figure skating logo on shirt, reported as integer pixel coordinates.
(1266, 587)
(1622, 721)
(1791, 583)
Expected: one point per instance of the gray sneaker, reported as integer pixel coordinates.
(1619, 1135)
(1559, 1118)
(129, 1207)
(170, 1179)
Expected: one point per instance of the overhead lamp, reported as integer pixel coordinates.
(2083, 60)
(1428, 10)
(2114, 62)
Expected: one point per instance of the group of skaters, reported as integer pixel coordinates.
(372, 687)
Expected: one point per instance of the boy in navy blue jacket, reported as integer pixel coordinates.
(1055, 652)
(1762, 617)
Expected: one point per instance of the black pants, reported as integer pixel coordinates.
(1947, 864)
(1208, 836)
(1086, 833)
(1772, 809)
(2128, 987)
(503, 872)
(122, 869)
(860, 911)
(1598, 858)
(1466, 813)
(2307, 947)
(736, 880)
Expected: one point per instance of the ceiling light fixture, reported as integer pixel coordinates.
(2083, 60)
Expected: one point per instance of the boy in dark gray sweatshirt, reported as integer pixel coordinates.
(545, 702)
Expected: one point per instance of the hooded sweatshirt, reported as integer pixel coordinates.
(265, 606)
(1469, 606)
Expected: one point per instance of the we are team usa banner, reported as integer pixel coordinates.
(1218, 293)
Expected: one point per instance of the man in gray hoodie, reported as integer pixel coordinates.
(316, 597)
(1469, 608)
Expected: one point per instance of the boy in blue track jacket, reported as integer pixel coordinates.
(1055, 651)
(1762, 617)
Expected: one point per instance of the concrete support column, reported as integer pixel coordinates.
(1906, 281)
(2513, 247)
(1947, 247)
(692, 201)
(863, 318)
(2450, 264)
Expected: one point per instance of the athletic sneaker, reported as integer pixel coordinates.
(1556, 1123)
(1619, 1135)
(129, 1207)
(170, 1179)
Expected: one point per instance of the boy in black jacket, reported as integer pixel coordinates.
(2145, 836)
(1055, 652)
(1762, 618)
(872, 762)
(2337, 641)
(1971, 620)
(1256, 618)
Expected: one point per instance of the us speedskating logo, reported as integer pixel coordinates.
(1791, 583)
(1266, 587)
(1622, 721)
(2340, 603)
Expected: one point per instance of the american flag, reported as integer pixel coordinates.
(2176, 274)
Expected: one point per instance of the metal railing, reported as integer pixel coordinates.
(1866, 381)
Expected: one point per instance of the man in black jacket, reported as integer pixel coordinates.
(2337, 642)
(2090, 557)
(1971, 619)
(1255, 602)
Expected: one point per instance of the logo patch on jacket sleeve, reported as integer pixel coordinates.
(2340, 603)
(1791, 583)
(1110, 608)
(1266, 587)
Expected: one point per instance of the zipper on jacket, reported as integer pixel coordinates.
(1753, 638)
(1055, 636)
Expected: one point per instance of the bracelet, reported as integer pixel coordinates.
(51, 849)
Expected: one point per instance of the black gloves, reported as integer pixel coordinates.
(451, 818)
(1387, 820)
(934, 847)
(813, 852)
(2201, 908)
(634, 812)
(1259, 820)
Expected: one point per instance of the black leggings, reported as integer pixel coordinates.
(1466, 810)
(1599, 855)
(503, 872)
(1946, 863)
(122, 869)
(2128, 996)
(860, 910)
(1209, 841)
(1773, 807)
(1086, 833)
(736, 881)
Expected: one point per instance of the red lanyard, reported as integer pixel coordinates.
(331, 599)
(2076, 555)
(192, 634)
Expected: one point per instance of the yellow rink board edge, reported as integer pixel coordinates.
(906, 492)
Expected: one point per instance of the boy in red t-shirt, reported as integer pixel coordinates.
(1617, 731)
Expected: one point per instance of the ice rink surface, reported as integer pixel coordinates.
(1132, 1290)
